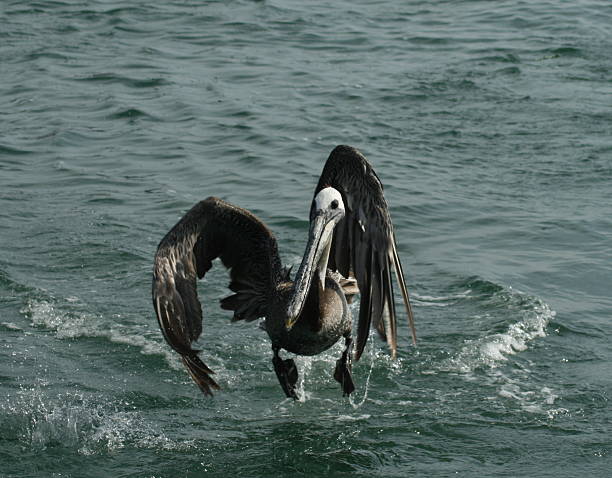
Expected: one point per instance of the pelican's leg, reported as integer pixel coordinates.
(342, 373)
(287, 373)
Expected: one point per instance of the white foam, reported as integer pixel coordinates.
(355, 418)
(537, 401)
(491, 350)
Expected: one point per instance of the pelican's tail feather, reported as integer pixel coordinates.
(200, 373)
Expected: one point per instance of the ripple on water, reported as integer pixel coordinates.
(110, 78)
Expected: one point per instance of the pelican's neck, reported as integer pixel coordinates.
(315, 260)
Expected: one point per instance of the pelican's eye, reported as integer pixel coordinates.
(334, 204)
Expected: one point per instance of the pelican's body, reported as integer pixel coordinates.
(320, 325)
(305, 316)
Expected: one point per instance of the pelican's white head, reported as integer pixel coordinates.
(329, 198)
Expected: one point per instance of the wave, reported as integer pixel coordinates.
(109, 78)
(72, 324)
(131, 114)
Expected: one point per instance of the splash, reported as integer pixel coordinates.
(305, 366)
(79, 422)
(366, 386)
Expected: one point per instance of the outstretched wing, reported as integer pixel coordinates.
(212, 228)
(364, 244)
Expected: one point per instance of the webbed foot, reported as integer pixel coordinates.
(287, 374)
(342, 373)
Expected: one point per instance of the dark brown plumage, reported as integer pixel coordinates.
(351, 234)
(364, 244)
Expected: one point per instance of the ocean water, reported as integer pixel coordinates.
(490, 125)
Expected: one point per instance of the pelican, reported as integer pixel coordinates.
(350, 240)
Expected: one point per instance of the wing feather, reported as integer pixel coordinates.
(211, 229)
(364, 245)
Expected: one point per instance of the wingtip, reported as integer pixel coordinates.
(412, 328)
(399, 273)
(357, 355)
(411, 320)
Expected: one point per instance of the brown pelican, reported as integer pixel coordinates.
(351, 238)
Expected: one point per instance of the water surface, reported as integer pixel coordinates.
(490, 125)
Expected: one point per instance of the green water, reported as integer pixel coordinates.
(490, 125)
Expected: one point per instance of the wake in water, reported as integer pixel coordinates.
(497, 323)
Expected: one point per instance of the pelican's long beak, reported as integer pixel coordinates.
(315, 260)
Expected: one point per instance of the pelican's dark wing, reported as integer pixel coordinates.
(364, 244)
(211, 229)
